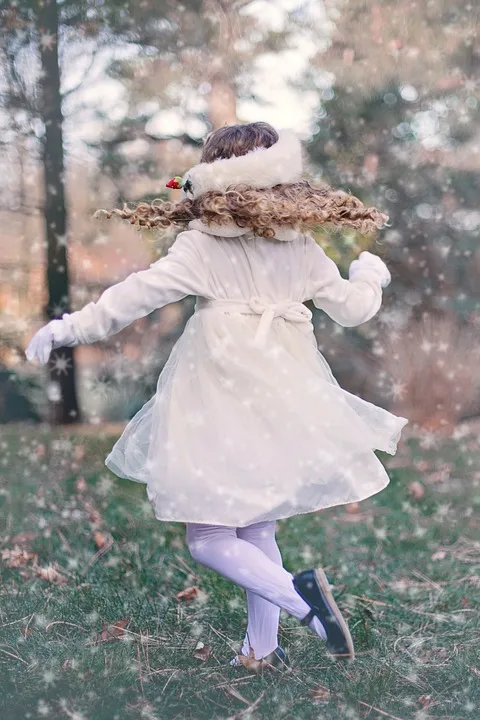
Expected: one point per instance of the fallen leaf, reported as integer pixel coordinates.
(16, 556)
(250, 662)
(112, 632)
(425, 701)
(95, 517)
(202, 652)
(80, 484)
(189, 593)
(353, 508)
(25, 630)
(416, 490)
(79, 452)
(51, 574)
(24, 536)
(100, 539)
(320, 694)
(439, 555)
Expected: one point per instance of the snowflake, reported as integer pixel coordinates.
(43, 708)
(61, 241)
(101, 387)
(61, 364)
(49, 678)
(398, 390)
(47, 41)
(104, 484)
(429, 440)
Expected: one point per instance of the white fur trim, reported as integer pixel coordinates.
(283, 233)
(259, 168)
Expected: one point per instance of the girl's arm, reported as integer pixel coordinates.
(173, 277)
(179, 273)
(348, 302)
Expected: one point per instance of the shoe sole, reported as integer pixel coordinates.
(324, 586)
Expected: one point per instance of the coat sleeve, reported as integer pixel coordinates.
(173, 277)
(347, 302)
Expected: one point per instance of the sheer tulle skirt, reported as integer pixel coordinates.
(236, 434)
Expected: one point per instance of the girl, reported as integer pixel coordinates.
(248, 424)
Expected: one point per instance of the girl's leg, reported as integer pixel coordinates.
(218, 548)
(263, 616)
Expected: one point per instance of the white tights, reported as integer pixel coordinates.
(250, 557)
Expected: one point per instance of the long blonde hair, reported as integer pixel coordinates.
(300, 205)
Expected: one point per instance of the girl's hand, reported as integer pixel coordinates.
(57, 333)
(367, 261)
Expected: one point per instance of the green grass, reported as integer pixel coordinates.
(406, 574)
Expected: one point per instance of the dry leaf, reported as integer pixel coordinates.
(320, 694)
(16, 557)
(439, 555)
(24, 536)
(202, 652)
(80, 484)
(51, 574)
(250, 663)
(100, 539)
(95, 517)
(25, 630)
(425, 701)
(67, 664)
(112, 632)
(422, 465)
(416, 490)
(353, 508)
(189, 593)
(79, 452)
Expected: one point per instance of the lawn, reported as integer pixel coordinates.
(94, 624)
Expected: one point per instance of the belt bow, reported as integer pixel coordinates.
(290, 310)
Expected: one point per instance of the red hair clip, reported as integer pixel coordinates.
(175, 182)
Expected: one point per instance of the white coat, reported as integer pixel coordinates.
(247, 422)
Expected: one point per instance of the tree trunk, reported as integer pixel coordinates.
(63, 406)
(222, 103)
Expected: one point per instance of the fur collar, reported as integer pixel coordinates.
(281, 232)
(259, 168)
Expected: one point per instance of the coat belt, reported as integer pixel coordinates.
(290, 310)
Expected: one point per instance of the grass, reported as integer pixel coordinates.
(91, 628)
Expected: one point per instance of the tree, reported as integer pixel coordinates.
(201, 79)
(37, 29)
(398, 127)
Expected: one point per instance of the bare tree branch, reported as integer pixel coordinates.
(86, 73)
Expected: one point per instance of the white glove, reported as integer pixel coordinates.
(369, 262)
(58, 333)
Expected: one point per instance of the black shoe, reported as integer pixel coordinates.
(278, 658)
(313, 587)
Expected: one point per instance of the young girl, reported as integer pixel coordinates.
(248, 425)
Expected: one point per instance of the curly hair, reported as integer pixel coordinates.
(299, 205)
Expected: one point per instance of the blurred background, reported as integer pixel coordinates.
(102, 102)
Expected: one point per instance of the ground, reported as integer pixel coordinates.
(94, 623)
